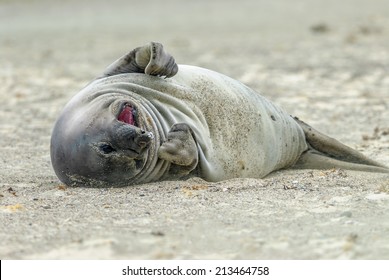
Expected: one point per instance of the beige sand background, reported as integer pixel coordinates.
(325, 61)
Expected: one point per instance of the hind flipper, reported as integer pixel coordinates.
(326, 152)
(313, 160)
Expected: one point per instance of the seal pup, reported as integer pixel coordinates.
(147, 119)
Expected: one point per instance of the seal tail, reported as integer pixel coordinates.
(325, 152)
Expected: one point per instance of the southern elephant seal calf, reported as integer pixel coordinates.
(146, 120)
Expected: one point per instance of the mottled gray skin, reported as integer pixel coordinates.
(185, 122)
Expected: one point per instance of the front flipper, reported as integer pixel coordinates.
(180, 148)
(325, 152)
(150, 59)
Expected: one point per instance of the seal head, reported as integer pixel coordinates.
(104, 142)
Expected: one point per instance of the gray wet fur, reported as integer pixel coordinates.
(189, 121)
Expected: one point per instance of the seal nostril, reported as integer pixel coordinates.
(142, 144)
(142, 132)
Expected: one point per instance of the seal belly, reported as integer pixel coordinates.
(239, 132)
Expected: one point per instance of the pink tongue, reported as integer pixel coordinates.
(127, 116)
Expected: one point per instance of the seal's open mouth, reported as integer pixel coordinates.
(128, 115)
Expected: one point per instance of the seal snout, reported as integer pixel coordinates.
(143, 138)
(132, 140)
(128, 134)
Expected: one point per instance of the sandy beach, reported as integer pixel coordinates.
(326, 62)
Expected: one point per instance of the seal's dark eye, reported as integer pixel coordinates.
(107, 149)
